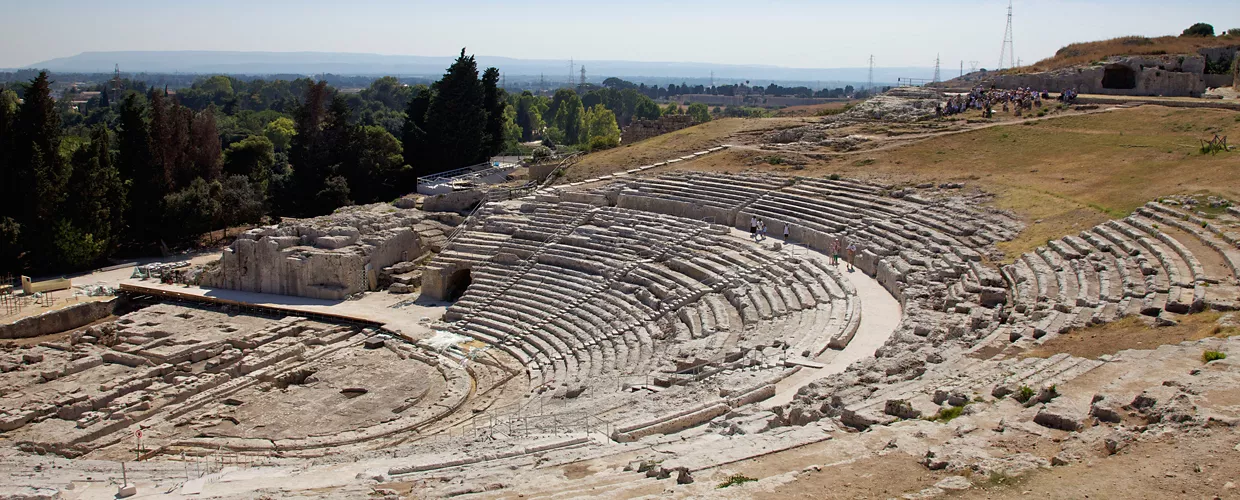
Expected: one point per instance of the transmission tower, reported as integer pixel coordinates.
(583, 77)
(936, 69)
(116, 83)
(571, 68)
(870, 85)
(973, 66)
(962, 67)
(1008, 52)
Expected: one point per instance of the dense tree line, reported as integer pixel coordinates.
(673, 90)
(132, 170)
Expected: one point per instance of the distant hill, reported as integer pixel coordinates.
(1088, 52)
(268, 63)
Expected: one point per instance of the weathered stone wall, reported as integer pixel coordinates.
(540, 171)
(60, 320)
(1170, 76)
(1235, 71)
(645, 129)
(455, 201)
(329, 257)
(1216, 81)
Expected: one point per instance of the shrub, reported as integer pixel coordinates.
(1199, 29)
(775, 160)
(947, 414)
(734, 480)
(1209, 356)
(834, 177)
(599, 143)
(1024, 394)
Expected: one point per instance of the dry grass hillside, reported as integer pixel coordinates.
(666, 146)
(1060, 175)
(1088, 52)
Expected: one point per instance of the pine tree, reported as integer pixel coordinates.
(494, 103)
(40, 172)
(456, 120)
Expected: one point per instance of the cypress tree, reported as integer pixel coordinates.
(10, 229)
(39, 171)
(162, 148)
(148, 183)
(413, 135)
(88, 227)
(8, 181)
(204, 146)
(456, 120)
(524, 103)
(307, 153)
(493, 102)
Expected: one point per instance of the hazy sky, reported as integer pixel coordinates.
(805, 33)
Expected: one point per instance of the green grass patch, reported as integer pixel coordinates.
(1209, 356)
(1024, 394)
(734, 480)
(947, 414)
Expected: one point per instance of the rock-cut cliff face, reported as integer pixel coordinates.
(328, 257)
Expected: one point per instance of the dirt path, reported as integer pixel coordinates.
(909, 139)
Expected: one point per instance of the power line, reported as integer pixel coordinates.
(1007, 52)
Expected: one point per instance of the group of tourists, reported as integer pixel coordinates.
(985, 100)
(757, 232)
(850, 257)
(757, 229)
(1017, 101)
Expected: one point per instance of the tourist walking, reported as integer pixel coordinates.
(753, 228)
(786, 226)
(762, 228)
(835, 252)
(852, 255)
